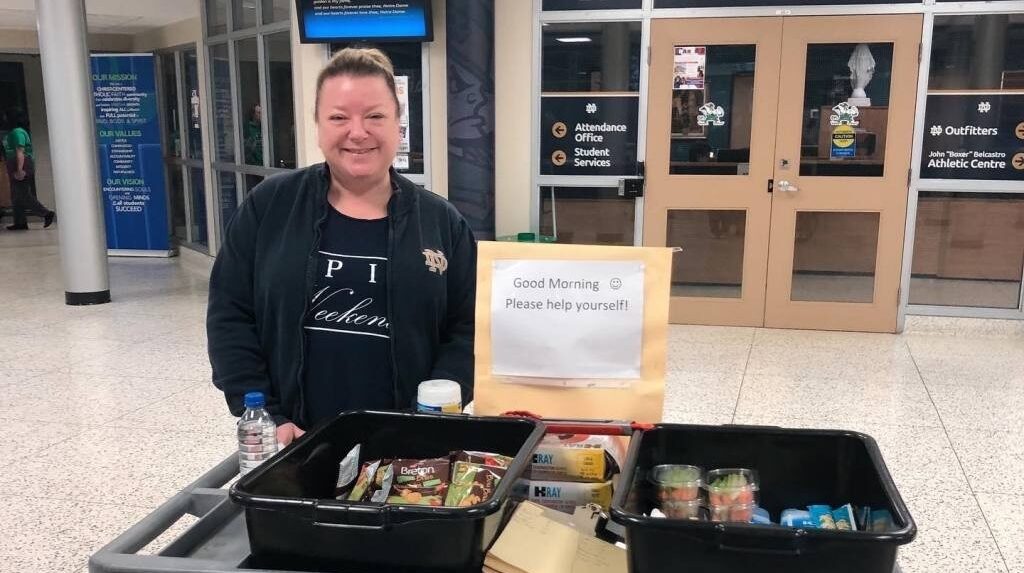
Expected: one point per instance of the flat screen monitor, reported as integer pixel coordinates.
(326, 21)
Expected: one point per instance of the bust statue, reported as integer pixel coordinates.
(862, 69)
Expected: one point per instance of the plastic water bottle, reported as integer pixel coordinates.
(257, 434)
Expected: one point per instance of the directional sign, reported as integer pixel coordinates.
(976, 136)
(589, 135)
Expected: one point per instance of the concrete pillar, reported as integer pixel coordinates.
(68, 92)
(615, 57)
(469, 38)
(989, 51)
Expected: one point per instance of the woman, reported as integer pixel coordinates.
(343, 285)
(21, 171)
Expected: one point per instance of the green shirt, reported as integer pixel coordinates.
(16, 138)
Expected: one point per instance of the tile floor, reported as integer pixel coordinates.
(108, 410)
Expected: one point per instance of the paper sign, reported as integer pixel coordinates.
(402, 91)
(688, 65)
(567, 319)
(595, 395)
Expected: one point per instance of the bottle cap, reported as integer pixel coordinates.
(254, 400)
(440, 393)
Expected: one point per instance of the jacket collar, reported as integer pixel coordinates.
(403, 196)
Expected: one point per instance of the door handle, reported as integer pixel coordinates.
(786, 186)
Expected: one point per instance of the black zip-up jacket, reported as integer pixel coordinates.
(263, 279)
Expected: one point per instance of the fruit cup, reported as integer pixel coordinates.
(740, 513)
(675, 483)
(732, 486)
(682, 509)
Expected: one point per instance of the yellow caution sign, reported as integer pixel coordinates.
(844, 141)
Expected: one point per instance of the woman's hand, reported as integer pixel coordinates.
(20, 175)
(288, 432)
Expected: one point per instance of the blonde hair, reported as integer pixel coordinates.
(357, 62)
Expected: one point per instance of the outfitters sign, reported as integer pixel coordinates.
(974, 137)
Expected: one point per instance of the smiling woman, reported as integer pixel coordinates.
(343, 285)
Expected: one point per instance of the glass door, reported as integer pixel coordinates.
(778, 161)
(714, 86)
(843, 148)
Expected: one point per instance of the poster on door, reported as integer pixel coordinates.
(401, 162)
(130, 154)
(976, 136)
(688, 66)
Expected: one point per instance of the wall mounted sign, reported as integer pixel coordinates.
(589, 135)
(326, 21)
(762, 3)
(977, 136)
(130, 154)
(553, 5)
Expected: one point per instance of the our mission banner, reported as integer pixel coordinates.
(130, 154)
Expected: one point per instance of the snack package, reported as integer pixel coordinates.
(821, 515)
(483, 458)
(382, 480)
(577, 457)
(881, 521)
(365, 480)
(348, 471)
(761, 516)
(843, 518)
(797, 518)
(863, 515)
(564, 496)
(472, 484)
(419, 482)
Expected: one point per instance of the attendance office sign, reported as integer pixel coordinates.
(588, 135)
(977, 136)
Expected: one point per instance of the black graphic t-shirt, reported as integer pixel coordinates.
(348, 359)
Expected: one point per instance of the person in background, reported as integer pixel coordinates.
(253, 140)
(21, 171)
(343, 285)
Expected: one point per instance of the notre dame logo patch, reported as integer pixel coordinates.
(435, 261)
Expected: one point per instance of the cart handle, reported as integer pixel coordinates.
(183, 502)
(589, 427)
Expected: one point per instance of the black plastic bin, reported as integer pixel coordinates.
(797, 468)
(294, 523)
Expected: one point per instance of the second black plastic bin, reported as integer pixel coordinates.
(797, 468)
(294, 524)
